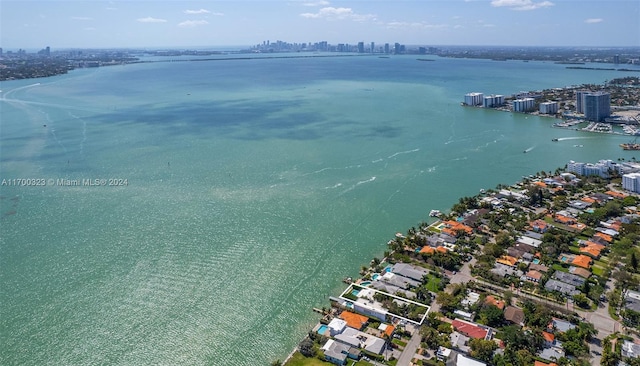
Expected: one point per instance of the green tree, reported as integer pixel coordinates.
(306, 348)
(482, 349)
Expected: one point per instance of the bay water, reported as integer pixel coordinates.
(245, 190)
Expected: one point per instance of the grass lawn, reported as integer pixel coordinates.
(598, 271)
(559, 267)
(574, 249)
(433, 283)
(299, 360)
(399, 342)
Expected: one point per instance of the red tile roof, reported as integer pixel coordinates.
(469, 329)
(354, 320)
(582, 261)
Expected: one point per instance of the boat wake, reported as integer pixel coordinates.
(402, 152)
(358, 184)
(573, 138)
(529, 149)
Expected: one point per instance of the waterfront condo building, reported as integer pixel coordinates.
(600, 168)
(597, 106)
(493, 101)
(524, 105)
(549, 107)
(473, 98)
(631, 182)
(580, 94)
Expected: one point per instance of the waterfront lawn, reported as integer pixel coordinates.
(299, 360)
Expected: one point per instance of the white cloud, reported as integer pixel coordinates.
(332, 13)
(317, 3)
(81, 18)
(413, 25)
(199, 11)
(90, 29)
(521, 4)
(593, 20)
(151, 20)
(193, 23)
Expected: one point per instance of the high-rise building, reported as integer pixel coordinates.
(616, 59)
(631, 182)
(373, 47)
(386, 48)
(597, 106)
(580, 94)
(473, 98)
(524, 105)
(493, 101)
(549, 107)
(360, 47)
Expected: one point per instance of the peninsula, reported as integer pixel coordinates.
(541, 272)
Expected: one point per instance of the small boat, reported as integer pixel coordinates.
(434, 213)
(554, 139)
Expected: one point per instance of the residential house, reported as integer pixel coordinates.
(569, 278)
(514, 315)
(533, 276)
(507, 260)
(538, 267)
(632, 300)
(491, 300)
(354, 320)
(463, 360)
(563, 288)
(409, 271)
(472, 330)
(336, 352)
(582, 261)
(539, 226)
(358, 339)
(584, 273)
(560, 325)
(336, 326)
(630, 349)
(527, 240)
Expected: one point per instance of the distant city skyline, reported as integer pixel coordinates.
(166, 24)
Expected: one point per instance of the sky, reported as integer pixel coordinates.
(61, 24)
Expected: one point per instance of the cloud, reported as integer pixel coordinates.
(413, 25)
(200, 11)
(594, 20)
(521, 4)
(316, 3)
(331, 13)
(90, 29)
(151, 20)
(81, 18)
(192, 23)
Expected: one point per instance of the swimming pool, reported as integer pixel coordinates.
(536, 261)
(355, 292)
(323, 328)
(365, 283)
(375, 276)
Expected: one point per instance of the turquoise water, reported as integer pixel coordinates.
(323, 328)
(253, 187)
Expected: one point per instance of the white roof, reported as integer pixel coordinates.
(465, 361)
(337, 324)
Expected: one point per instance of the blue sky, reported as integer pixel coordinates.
(162, 24)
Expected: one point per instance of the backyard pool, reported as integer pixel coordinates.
(323, 328)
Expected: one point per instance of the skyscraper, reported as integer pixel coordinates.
(597, 106)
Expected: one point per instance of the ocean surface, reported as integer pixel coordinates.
(248, 190)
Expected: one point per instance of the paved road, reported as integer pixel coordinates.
(410, 349)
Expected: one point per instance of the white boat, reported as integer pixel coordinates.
(434, 213)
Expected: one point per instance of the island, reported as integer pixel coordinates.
(541, 272)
